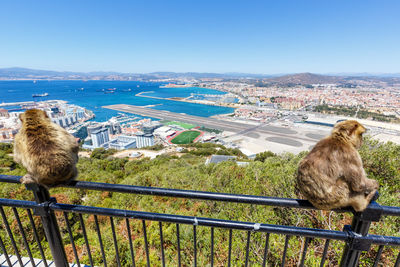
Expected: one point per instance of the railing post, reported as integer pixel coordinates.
(50, 224)
(359, 227)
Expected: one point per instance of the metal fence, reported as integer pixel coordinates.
(355, 237)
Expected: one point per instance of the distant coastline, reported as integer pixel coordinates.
(187, 99)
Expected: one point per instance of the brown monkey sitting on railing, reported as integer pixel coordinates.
(46, 150)
(332, 174)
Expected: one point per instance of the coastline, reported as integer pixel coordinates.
(187, 100)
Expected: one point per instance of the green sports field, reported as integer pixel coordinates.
(186, 137)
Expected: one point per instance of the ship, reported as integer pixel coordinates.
(40, 95)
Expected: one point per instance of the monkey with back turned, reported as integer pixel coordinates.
(46, 150)
(332, 174)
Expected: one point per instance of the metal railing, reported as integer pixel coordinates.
(355, 237)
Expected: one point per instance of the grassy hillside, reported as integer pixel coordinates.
(270, 175)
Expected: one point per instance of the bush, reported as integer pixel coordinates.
(102, 153)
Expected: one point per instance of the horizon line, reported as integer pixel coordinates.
(209, 72)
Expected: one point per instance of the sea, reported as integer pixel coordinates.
(93, 95)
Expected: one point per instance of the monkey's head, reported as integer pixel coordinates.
(33, 116)
(349, 131)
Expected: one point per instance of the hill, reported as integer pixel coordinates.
(288, 79)
(305, 78)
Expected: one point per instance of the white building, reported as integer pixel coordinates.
(164, 131)
(123, 142)
(144, 140)
(100, 137)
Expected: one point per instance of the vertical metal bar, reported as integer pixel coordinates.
(145, 243)
(179, 244)
(115, 242)
(360, 225)
(230, 248)
(304, 254)
(86, 239)
(162, 245)
(247, 249)
(195, 245)
(71, 238)
(212, 246)
(100, 241)
(285, 250)
(5, 252)
(378, 256)
(50, 224)
(37, 237)
(266, 250)
(128, 228)
(397, 264)
(14, 245)
(324, 253)
(21, 229)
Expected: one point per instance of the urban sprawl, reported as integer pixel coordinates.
(271, 117)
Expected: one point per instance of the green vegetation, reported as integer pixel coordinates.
(270, 175)
(102, 153)
(264, 155)
(208, 149)
(181, 124)
(352, 111)
(157, 147)
(185, 137)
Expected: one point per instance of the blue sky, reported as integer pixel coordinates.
(267, 37)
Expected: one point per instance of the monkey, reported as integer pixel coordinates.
(332, 175)
(45, 149)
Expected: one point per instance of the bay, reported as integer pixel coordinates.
(95, 94)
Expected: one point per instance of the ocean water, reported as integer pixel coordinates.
(90, 95)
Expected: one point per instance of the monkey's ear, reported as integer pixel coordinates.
(45, 115)
(21, 117)
(353, 128)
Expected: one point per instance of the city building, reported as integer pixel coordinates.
(99, 137)
(7, 134)
(144, 140)
(4, 113)
(122, 142)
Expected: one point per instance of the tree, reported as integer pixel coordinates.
(264, 155)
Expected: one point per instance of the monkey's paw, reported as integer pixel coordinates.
(27, 179)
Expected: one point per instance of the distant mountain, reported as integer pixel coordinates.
(24, 72)
(287, 79)
(305, 78)
(365, 74)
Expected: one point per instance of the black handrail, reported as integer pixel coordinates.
(355, 236)
(203, 195)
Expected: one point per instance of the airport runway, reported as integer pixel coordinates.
(212, 123)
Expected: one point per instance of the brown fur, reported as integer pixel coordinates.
(332, 174)
(46, 150)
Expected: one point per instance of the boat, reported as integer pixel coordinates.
(40, 95)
